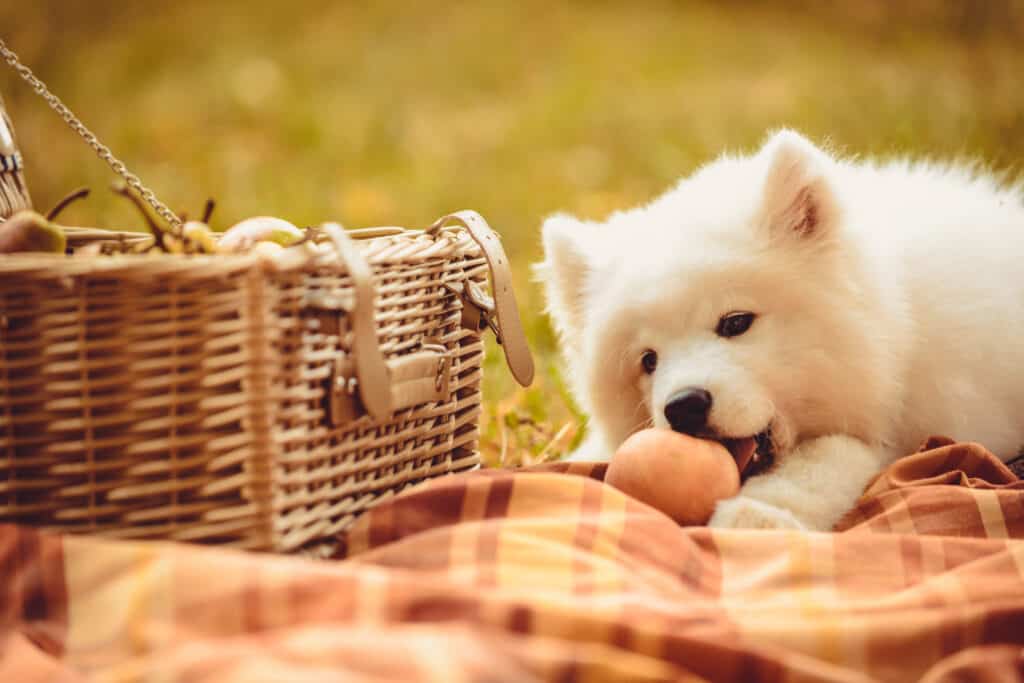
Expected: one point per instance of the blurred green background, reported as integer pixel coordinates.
(394, 113)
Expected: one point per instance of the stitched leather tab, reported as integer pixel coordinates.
(415, 379)
(419, 378)
(513, 339)
(373, 385)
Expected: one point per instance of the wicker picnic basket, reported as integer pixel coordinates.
(255, 402)
(232, 399)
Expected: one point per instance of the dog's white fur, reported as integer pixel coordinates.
(890, 304)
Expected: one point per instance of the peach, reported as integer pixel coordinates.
(680, 475)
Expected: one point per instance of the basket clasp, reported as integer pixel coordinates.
(417, 378)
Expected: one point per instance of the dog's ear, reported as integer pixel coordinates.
(798, 200)
(564, 271)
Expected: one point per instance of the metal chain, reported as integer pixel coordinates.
(90, 138)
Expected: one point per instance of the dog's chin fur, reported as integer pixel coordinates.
(875, 288)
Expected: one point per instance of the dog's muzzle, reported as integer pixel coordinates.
(687, 411)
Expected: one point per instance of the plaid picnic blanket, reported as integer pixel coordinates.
(541, 576)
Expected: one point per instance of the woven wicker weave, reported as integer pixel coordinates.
(13, 192)
(196, 398)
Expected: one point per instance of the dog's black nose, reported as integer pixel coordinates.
(687, 411)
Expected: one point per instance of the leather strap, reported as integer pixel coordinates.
(415, 378)
(384, 386)
(420, 377)
(373, 382)
(512, 337)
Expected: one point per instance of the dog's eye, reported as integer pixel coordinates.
(734, 324)
(650, 361)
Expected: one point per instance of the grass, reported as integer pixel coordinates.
(395, 113)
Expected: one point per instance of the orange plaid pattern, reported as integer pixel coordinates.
(535, 575)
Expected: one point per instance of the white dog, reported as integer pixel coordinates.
(837, 311)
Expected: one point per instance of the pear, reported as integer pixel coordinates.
(200, 235)
(165, 240)
(243, 235)
(28, 231)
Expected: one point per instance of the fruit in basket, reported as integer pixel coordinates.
(680, 475)
(199, 234)
(243, 235)
(29, 231)
(196, 237)
(163, 239)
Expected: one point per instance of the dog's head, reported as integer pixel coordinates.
(729, 307)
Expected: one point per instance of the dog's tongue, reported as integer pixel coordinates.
(743, 451)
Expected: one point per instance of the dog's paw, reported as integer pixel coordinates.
(742, 512)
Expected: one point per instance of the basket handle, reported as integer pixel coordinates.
(384, 385)
(512, 338)
(374, 383)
